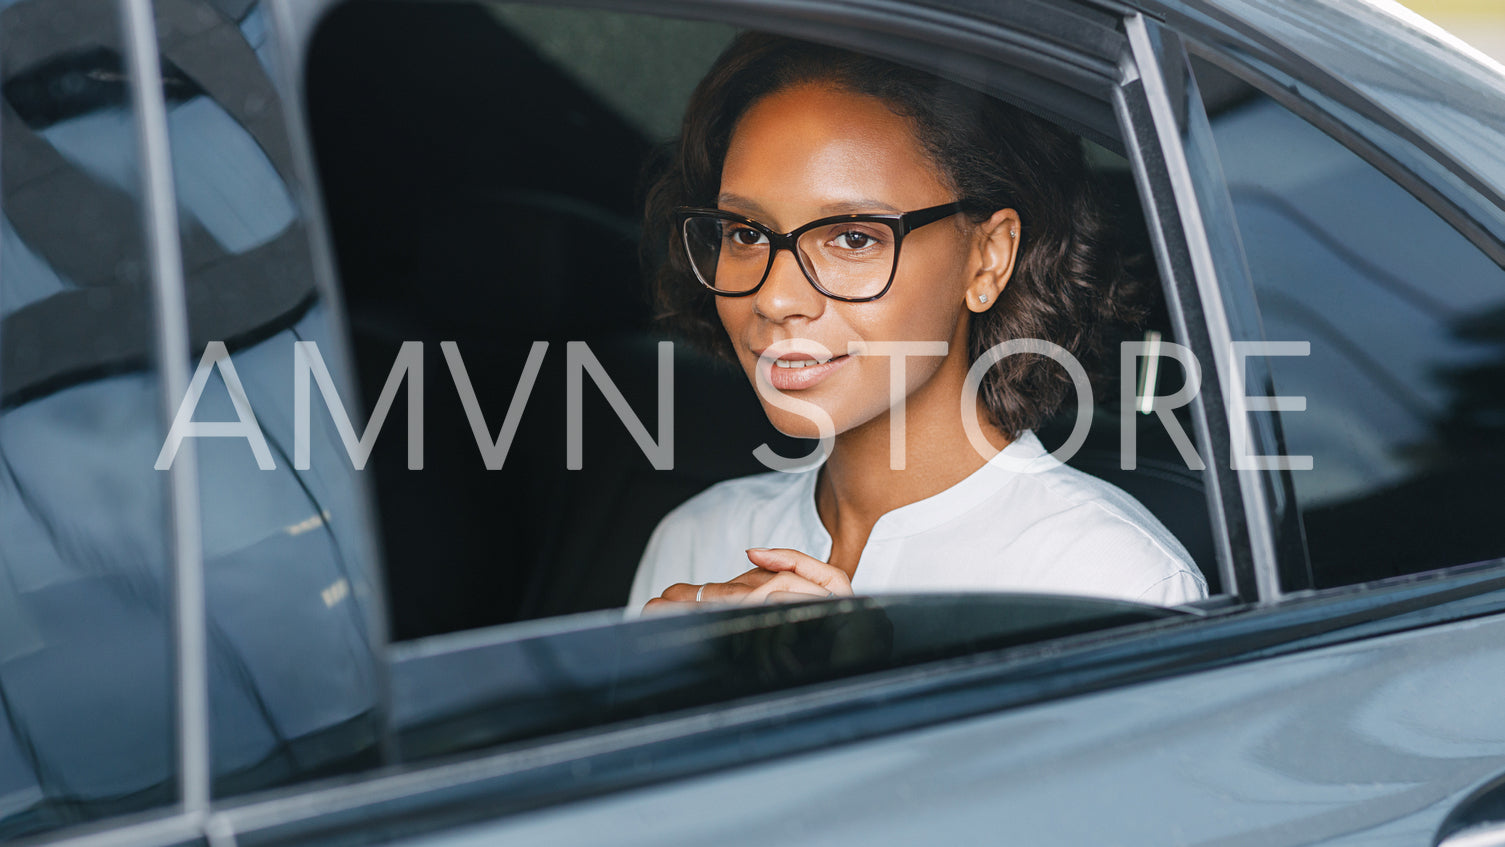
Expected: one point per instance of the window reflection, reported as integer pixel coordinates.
(288, 565)
(85, 674)
(1406, 319)
(85, 677)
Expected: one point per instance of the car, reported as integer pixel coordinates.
(234, 614)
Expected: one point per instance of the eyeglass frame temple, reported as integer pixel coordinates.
(902, 224)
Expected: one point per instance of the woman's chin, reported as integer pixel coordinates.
(794, 425)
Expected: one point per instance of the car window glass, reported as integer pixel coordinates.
(289, 567)
(86, 686)
(1400, 62)
(1406, 322)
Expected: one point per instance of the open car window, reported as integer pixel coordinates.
(545, 147)
(513, 240)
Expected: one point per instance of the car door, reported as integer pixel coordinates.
(1368, 711)
(1159, 122)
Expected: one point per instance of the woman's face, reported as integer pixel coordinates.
(813, 151)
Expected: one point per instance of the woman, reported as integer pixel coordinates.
(826, 211)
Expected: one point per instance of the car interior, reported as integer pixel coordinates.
(482, 175)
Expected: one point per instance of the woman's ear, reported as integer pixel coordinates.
(995, 250)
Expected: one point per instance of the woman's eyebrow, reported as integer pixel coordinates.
(845, 207)
(856, 206)
(740, 203)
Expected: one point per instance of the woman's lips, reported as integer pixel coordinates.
(795, 372)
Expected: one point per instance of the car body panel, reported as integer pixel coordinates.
(1370, 742)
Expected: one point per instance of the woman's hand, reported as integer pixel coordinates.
(795, 576)
(782, 575)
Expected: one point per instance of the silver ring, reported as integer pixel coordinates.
(698, 593)
(830, 594)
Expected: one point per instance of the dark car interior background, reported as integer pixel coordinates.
(514, 221)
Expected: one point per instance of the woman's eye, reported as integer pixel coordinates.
(855, 239)
(745, 237)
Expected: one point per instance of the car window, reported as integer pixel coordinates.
(86, 683)
(530, 140)
(289, 558)
(1405, 319)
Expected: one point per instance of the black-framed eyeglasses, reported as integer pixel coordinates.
(846, 257)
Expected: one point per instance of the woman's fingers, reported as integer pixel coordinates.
(829, 577)
(786, 583)
(680, 592)
(715, 592)
(782, 576)
(753, 578)
(659, 605)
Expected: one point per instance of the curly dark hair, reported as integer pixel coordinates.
(1069, 284)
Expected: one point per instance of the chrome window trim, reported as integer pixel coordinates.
(1254, 580)
(170, 313)
(1292, 569)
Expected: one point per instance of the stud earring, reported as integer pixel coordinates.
(982, 298)
(1013, 233)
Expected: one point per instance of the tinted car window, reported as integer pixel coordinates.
(1406, 320)
(289, 564)
(86, 699)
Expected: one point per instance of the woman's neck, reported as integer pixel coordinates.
(862, 480)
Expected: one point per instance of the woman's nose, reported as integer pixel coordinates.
(786, 293)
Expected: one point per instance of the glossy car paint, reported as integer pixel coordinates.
(1371, 742)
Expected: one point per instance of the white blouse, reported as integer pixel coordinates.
(1022, 522)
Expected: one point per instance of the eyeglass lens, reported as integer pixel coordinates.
(851, 259)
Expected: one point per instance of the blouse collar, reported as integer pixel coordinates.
(1023, 455)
